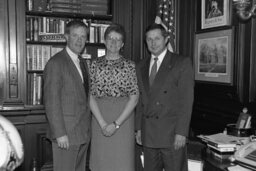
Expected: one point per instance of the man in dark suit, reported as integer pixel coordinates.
(166, 83)
(66, 101)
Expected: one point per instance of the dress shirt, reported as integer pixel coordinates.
(74, 58)
(159, 61)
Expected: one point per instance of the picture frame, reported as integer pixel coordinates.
(215, 13)
(214, 56)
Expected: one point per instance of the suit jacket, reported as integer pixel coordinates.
(165, 108)
(66, 103)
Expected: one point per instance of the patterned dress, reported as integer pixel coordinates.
(112, 81)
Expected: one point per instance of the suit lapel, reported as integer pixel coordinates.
(73, 70)
(145, 74)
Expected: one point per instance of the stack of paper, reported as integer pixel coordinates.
(222, 140)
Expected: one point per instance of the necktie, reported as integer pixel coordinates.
(153, 72)
(85, 74)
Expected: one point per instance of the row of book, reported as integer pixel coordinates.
(35, 88)
(38, 55)
(36, 26)
(96, 33)
(50, 29)
(95, 7)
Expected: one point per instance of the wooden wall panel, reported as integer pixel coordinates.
(32, 126)
(3, 49)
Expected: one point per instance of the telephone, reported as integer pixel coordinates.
(246, 155)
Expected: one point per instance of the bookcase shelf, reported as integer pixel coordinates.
(61, 43)
(69, 15)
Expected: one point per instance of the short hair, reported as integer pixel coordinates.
(157, 26)
(75, 24)
(116, 28)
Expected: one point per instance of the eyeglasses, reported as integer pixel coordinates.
(114, 39)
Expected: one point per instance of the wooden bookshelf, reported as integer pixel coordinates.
(45, 37)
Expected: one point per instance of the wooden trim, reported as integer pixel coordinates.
(4, 49)
(252, 84)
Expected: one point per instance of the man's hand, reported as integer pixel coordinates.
(63, 142)
(138, 137)
(179, 141)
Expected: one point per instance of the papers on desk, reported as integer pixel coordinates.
(238, 168)
(195, 165)
(221, 140)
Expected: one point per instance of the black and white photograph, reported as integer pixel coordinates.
(214, 13)
(213, 56)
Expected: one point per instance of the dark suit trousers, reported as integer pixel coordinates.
(157, 159)
(73, 159)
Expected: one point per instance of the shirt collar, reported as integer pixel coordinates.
(160, 57)
(73, 56)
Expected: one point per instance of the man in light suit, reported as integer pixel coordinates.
(66, 102)
(164, 110)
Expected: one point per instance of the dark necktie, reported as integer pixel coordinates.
(153, 72)
(85, 75)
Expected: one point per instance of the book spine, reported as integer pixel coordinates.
(31, 28)
(55, 50)
(29, 57)
(218, 145)
(222, 149)
(34, 89)
(28, 38)
(46, 52)
(52, 38)
(29, 5)
(36, 29)
(219, 155)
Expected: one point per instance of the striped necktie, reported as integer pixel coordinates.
(153, 71)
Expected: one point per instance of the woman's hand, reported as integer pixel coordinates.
(109, 130)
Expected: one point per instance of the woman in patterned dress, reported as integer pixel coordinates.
(114, 95)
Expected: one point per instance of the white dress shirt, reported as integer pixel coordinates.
(74, 58)
(159, 61)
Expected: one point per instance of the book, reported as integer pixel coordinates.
(55, 50)
(220, 156)
(46, 54)
(222, 149)
(220, 140)
(67, 9)
(36, 29)
(40, 5)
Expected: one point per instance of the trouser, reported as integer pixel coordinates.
(157, 159)
(73, 159)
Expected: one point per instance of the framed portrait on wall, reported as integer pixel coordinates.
(215, 13)
(214, 56)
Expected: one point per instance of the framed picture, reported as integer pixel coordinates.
(213, 59)
(215, 13)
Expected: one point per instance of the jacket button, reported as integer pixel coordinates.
(157, 103)
(147, 117)
(157, 117)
